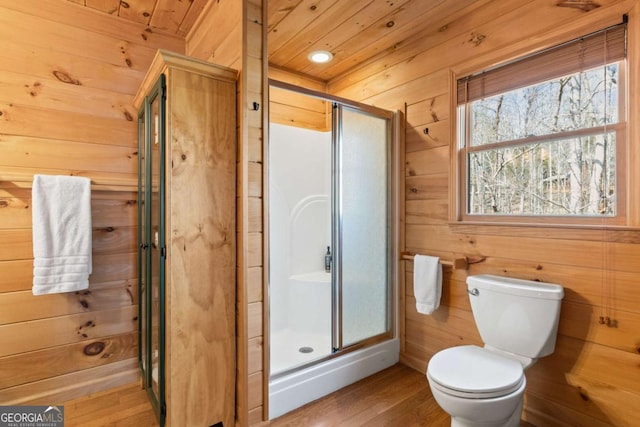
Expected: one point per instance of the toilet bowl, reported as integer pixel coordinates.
(477, 387)
(518, 322)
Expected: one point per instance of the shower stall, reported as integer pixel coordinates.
(331, 255)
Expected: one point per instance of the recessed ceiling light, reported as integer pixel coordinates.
(320, 56)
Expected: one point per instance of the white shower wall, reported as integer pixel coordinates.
(300, 218)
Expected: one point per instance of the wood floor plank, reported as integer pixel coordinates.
(397, 396)
(382, 399)
(414, 411)
(123, 406)
(395, 393)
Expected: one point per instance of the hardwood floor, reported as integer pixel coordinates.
(397, 396)
(126, 406)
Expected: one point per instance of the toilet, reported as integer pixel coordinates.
(518, 323)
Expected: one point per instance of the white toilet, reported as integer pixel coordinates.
(518, 323)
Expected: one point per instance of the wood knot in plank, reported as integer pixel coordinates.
(539, 267)
(35, 88)
(66, 78)
(477, 39)
(128, 116)
(124, 4)
(145, 33)
(109, 229)
(583, 394)
(94, 348)
(583, 5)
(128, 62)
(84, 303)
(4, 204)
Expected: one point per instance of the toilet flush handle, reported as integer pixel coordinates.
(475, 292)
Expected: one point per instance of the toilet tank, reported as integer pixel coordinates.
(514, 315)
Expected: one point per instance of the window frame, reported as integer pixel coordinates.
(462, 146)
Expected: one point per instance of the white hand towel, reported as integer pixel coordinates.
(427, 283)
(61, 215)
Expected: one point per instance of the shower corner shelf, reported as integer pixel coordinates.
(457, 263)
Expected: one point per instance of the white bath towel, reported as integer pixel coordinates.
(61, 215)
(427, 283)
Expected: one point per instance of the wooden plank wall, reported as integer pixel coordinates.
(238, 42)
(293, 109)
(67, 78)
(593, 377)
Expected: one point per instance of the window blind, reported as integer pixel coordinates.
(584, 53)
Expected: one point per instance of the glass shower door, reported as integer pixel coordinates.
(362, 230)
(329, 203)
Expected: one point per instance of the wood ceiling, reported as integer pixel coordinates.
(356, 32)
(169, 16)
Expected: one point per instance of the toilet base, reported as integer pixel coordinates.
(512, 421)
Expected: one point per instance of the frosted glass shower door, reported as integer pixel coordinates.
(363, 224)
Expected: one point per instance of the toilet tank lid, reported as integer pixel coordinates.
(510, 285)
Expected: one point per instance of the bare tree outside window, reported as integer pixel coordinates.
(545, 149)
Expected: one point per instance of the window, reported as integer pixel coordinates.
(541, 136)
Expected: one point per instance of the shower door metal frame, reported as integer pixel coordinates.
(337, 225)
(392, 228)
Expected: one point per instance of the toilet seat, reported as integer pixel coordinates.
(474, 372)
